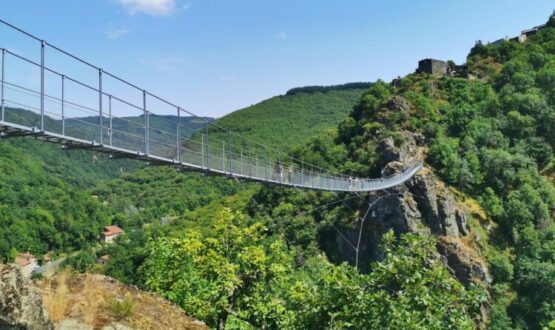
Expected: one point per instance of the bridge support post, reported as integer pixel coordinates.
(145, 112)
(250, 159)
(110, 129)
(310, 175)
(100, 119)
(266, 164)
(42, 85)
(63, 105)
(207, 146)
(2, 87)
(202, 151)
(178, 137)
(302, 173)
(223, 156)
(229, 152)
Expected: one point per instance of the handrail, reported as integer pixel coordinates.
(166, 143)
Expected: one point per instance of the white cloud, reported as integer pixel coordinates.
(150, 7)
(280, 35)
(169, 64)
(116, 33)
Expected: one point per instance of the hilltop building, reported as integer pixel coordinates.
(27, 262)
(432, 66)
(524, 34)
(111, 233)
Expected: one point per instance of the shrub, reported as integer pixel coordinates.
(121, 308)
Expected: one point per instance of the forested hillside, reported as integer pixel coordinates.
(289, 120)
(45, 198)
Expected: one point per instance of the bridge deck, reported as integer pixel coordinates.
(116, 117)
(313, 181)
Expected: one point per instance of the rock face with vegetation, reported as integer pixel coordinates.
(422, 205)
(20, 302)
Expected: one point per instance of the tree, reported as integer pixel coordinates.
(409, 289)
(216, 275)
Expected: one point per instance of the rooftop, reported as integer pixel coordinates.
(24, 259)
(112, 230)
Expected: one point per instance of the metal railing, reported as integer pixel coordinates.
(114, 124)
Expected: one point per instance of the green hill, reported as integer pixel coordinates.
(289, 120)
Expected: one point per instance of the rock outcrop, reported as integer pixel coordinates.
(422, 204)
(20, 303)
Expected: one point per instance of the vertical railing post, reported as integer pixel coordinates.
(145, 112)
(2, 87)
(229, 152)
(100, 119)
(302, 173)
(281, 169)
(178, 137)
(250, 159)
(266, 163)
(63, 105)
(207, 146)
(223, 156)
(42, 85)
(110, 128)
(202, 150)
(311, 174)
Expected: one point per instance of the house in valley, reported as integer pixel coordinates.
(111, 233)
(27, 262)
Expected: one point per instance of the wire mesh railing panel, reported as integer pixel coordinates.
(106, 111)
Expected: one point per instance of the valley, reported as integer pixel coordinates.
(466, 243)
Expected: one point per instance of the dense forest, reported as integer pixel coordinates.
(241, 255)
(287, 121)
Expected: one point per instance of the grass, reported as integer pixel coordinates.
(99, 301)
(55, 299)
(121, 308)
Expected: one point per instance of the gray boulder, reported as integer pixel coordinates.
(20, 304)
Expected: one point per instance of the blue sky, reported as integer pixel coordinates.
(216, 56)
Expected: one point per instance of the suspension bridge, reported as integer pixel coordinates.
(72, 102)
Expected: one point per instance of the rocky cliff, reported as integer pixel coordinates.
(20, 302)
(422, 204)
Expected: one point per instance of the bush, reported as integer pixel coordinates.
(501, 267)
(121, 308)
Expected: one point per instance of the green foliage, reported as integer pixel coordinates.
(324, 89)
(121, 308)
(159, 194)
(243, 271)
(210, 276)
(39, 211)
(409, 289)
(502, 268)
(81, 262)
(290, 120)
